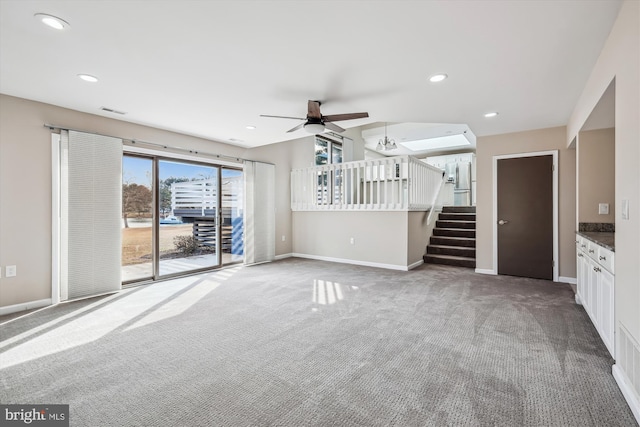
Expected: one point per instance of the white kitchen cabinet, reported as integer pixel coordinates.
(583, 277)
(595, 288)
(594, 300)
(607, 322)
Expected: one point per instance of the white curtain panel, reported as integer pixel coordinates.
(90, 214)
(259, 212)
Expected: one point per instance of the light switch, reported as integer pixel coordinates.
(603, 208)
(625, 209)
(11, 271)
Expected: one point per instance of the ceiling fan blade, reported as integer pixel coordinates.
(314, 110)
(282, 117)
(296, 128)
(339, 117)
(333, 127)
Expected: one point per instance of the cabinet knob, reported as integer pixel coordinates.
(596, 269)
(591, 251)
(580, 255)
(583, 246)
(602, 258)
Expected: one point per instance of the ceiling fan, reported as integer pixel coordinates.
(315, 122)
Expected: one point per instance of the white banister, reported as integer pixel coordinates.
(393, 183)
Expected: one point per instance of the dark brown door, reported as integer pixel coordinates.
(525, 217)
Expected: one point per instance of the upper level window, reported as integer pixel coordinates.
(327, 151)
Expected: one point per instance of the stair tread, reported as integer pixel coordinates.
(452, 247)
(462, 258)
(455, 237)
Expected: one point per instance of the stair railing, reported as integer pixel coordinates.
(438, 200)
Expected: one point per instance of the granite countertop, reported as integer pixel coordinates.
(605, 239)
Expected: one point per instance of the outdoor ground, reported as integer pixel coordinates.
(136, 242)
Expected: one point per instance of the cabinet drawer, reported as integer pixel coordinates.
(606, 258)
(592, 250)
(581, 243)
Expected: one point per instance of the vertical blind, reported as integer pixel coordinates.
(260, 218)
(90, 214)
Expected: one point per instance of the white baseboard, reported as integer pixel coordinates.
(627, 391)
(570, 280)
(578, 300)
(9, 309)
(416, 264)
(485, 271)
(355, 262)
(283, 256)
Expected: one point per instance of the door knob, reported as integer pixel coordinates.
(502, 222)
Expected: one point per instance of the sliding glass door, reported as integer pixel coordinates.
(232, 228)
(179, 217)
(137, 218)
(189, 217)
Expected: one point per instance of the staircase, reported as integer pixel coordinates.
(454, 238)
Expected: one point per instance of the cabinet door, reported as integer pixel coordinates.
(583, 277)
(592, 283)
(606, 320)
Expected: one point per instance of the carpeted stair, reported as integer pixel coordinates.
(454, 238)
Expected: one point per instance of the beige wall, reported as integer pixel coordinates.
(527, 142)
(25, 185)
(620, 59)
(25, 158)
(596, 174)
(297, 153)
(392, 239)
(418, 236)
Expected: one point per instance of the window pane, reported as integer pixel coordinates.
(322, 152)
(137, 217)
(232, 216)
(336, 153)
(188, 207)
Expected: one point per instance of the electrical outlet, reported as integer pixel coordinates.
(284, 238)
(11, 271)
(352, 240)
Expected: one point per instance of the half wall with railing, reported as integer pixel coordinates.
(400, 183)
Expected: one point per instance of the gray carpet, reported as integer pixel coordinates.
(309, 343)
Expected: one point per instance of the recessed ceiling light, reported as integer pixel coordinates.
(52, 21)
(491, 114)
(250, 127)
(437, 78)
(88, 78)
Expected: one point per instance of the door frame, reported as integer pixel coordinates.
(554, 154)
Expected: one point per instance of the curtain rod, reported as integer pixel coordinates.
(135, 142)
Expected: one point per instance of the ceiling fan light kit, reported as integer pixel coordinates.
(314, 127)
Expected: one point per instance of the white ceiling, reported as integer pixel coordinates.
(210, 68)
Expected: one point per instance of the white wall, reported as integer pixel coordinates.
(620, 59)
